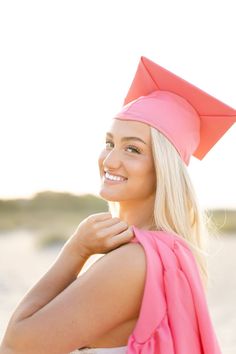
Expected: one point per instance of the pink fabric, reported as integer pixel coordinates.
(174, 316)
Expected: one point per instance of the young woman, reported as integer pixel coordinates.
(146, 294)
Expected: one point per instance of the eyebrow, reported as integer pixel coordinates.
(125, 138)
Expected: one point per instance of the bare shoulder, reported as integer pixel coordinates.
(122, 273)
(132, 255)
(128, 257)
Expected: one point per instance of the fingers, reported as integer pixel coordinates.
(113, 230)
(123, 237)
(112, 227)
(99, 217)
(102, 216)
(107, 223)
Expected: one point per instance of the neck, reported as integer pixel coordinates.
(137, 213)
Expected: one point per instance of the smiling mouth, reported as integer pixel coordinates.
(114, 178)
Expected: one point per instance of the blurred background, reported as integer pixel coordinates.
(65, 68)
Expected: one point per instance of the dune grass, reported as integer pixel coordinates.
(53, 217)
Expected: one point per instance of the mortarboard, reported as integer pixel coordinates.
(190, 118)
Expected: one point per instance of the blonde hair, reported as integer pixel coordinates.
(176, 208)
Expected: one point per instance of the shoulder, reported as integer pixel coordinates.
(123, 268)
(129, 257)
(128, 251)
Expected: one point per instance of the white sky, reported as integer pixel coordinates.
(65, 68)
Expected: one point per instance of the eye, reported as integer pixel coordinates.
(129, 148)
(134, 149)
(109, 144)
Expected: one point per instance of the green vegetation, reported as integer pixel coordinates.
(49, 215)
(54, 216)
(49, 239)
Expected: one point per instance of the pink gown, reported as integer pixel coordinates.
(174, 316)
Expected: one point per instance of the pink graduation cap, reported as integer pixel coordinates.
(191, 119)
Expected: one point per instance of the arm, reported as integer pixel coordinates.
(61, 274)
(50, 309)
(88, 308)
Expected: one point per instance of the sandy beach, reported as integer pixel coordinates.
(22, 264)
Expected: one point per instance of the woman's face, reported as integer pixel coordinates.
(126, 163)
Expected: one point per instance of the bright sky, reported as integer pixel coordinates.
(65, 68)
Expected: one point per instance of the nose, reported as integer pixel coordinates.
(112, 160)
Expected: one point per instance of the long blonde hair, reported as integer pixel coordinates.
(176, 208)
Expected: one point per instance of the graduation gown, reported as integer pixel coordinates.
(174, 316)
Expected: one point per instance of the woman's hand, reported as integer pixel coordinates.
(99, 233)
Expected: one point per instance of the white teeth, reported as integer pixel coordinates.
(114, 178)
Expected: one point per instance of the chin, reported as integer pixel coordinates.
(108, 196)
